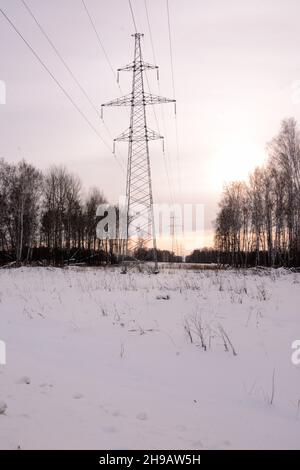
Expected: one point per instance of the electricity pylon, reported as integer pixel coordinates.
(140, 228)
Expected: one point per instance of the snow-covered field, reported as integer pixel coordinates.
(100, 360)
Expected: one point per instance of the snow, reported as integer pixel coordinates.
(100, 360)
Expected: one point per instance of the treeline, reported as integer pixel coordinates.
(258, 222)
(164, 256)
(203, 256)
(43, 217)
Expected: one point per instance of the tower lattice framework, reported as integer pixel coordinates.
(140, 229)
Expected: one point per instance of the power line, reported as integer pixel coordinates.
(171, 48)
(60, 86)
(60, 56)
(54, 78)
(92, 23)
(132, 15)
(102, 48)
(173, 86)
(99, 38)
(150, 31)
(162, 111)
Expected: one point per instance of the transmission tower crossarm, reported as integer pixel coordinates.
(125, 100)
(143, 99)
(138, 136)
(141, 65)
(149, 98)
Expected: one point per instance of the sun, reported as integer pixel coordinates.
(234, 158)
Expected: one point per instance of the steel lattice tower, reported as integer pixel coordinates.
(139, 197)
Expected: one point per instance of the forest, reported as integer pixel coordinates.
(43, 216)
(258, 221)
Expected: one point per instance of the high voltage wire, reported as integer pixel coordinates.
(53, 77)
(60, 86)
(162, 111)
(171, 48)
(158, 129)
(59, 55)
(102, 48)
(173, 86)
(100, 42)
(65, 64)
(150, 31)
(92, 23)
(132, 15)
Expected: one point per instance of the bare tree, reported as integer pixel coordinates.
(262, 219)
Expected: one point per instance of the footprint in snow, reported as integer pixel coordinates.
(77, 396)
(163, 297)
(142, 416)
(46, 385)
(24, 380)
(3, 407)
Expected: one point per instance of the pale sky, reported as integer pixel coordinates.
(235, 63)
